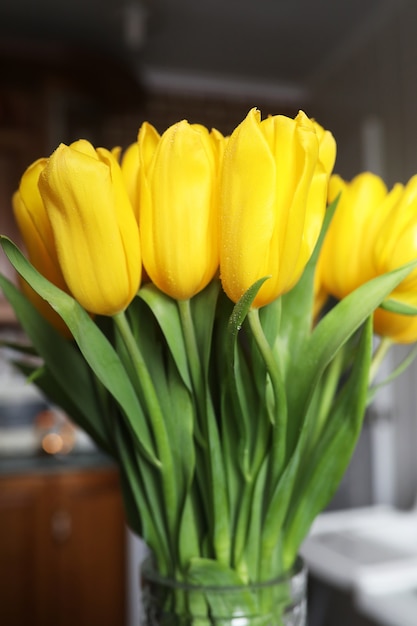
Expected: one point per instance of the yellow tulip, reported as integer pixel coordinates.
(399, 328)
(346, 259)
(34, 225)
(179, 207)
(396, 241)
(274, 190)
(372, 232)
(396, 245)
(94, 227)
(37, 236)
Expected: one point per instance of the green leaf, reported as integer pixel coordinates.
(240, 311)
(211, 578)
(323, 469)
(235, 374)
(220, 519)
(179, 421)
(142, 494)
(203, 311)
(64, 364)
(401, 367)
(189, 533)
(396, 306)
(333, 330)
(166, 313)
(96, 349)
(254, 531)
(297, 305)
(276, 511)
(239, 378)
(212, 573)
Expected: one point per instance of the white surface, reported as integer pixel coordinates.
(19, 441)
(345, 547)
(372, 552)
(398, 609)
(136, 550)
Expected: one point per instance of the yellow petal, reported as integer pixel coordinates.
(34, 225)
(94, 227)
(399, 328)
(273, 203)
(327, 147)
(130, 171)
(179, 208)
(346, 256)
(247, 207)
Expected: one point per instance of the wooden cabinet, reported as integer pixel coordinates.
(62, 549)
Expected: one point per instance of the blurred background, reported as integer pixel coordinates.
(97, 69)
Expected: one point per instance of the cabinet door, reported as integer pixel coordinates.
(62, 550)
(87, 541)
(21, 558)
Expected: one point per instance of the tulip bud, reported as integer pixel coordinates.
(37, 236)
(179, 207)
(396, 240)
(274, 189)
(94, 227)
(372, 232)
(346, 259)
(399, 328)
(34, 225)
(396, 245)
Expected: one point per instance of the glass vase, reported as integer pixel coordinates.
(279, 602)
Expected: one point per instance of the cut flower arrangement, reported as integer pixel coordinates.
(206, 309)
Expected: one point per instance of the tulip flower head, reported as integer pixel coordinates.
(38, 239)
(396, 245)
(35, 228)
(179, 207)
(346, 258)
(373, 231)
(274, 190)
(232, 416)
(94, 228)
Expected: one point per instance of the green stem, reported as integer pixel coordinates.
(327, 393)
(168, 473)
(379, 355)
(192, 353)
(215, 479)
(199, 396)
(281, 410)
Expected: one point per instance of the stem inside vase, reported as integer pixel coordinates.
(279, 602)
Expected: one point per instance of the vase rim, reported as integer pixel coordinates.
(150, 573)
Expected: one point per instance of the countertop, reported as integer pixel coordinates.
(43, 463)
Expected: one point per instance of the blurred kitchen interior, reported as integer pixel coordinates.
(98, 68)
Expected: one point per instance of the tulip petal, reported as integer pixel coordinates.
(94, 227)
(345, 262)
(247, 208)
(179, 214)
(34, 225)
(130, 171)
(271, 212)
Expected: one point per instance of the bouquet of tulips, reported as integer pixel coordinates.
(177, 295)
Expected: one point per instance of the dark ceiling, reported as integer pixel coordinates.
(277, 44)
